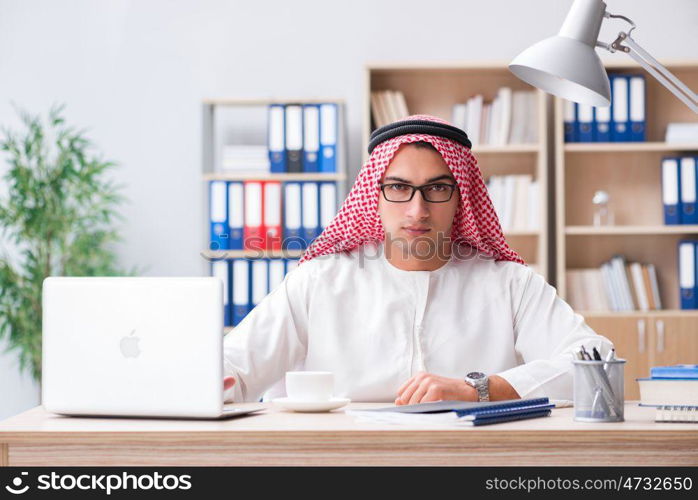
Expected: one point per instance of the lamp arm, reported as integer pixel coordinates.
(666, 77)
(653, 67)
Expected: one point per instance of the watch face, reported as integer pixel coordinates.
(475, 375)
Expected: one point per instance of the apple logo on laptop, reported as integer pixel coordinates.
(129, 345)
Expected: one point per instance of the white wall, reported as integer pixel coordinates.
(135, 73)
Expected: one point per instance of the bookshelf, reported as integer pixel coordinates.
(631, 174)
(433, 87)
(244, 121)
(223, 176)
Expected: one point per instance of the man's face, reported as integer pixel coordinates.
(417, 218)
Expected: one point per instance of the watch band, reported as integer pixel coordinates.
(480, 382)
(483, 391)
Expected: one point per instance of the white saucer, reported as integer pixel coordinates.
(311, 406)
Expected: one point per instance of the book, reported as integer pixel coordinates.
(617, 286)
(218, 216)
(377, 112)
(481, 419)
(388, 106)
(648, 287)
(511, 117)
(504, 122)
(655, 286)
(463, 407)
(668, 391)
(636, 107)
(293, 123)
(311, 137)
(674, 372)
(458, 412)
(687, 273)
(676, 414)
(681, 133)
(516, 201)
(401, 104)
(242, 158)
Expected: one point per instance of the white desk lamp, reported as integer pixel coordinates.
(567, 65)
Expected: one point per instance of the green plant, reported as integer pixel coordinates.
(59, 215)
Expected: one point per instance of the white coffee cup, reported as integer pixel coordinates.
(309, 386)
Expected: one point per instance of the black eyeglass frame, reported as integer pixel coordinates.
(420, 189)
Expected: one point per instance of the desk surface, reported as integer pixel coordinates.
(277, 437)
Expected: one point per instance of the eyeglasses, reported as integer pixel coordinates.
(433, 193)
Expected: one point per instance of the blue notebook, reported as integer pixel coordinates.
(675, 372)
(481, 419)
(460, 412)
(519, 410)
(509, 406)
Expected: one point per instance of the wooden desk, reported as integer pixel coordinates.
(277, 437)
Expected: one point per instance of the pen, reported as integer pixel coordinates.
(594, 404)
(597, 356)
(609, 357)
(602, 380)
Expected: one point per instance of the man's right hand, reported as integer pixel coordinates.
(228, 382)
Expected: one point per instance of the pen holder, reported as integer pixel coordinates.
(598, 391)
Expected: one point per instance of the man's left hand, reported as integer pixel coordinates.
(425, 387)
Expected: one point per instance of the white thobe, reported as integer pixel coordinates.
(375, 326)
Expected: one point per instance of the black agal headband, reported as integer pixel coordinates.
(406, 127)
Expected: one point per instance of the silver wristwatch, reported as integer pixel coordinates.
(481, 383)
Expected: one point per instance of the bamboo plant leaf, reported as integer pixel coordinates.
(60, 212)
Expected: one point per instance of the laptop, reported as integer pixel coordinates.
(134, 347)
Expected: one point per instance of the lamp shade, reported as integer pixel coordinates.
(567, 65)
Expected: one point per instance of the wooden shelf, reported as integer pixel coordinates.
(251, 254)
(638, 314)
(432, 65)
(627, 147)
(506, 149)
(227, 176)
(261, 101)
(632, 230)
(522, 233)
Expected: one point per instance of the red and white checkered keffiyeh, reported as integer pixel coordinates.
(357, 222)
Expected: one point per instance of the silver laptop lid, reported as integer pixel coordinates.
(133, 346)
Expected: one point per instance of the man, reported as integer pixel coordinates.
(411, 294)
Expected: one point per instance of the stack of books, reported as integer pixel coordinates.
(516, 201)
(673, 391)
(511, 118)
(623, 121)
(459, 413)
(681, 133)
(388, 106)
(242, 158)
(616, 286)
